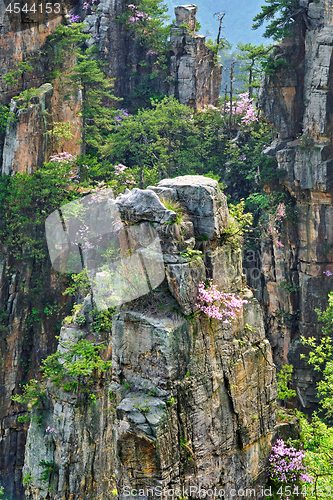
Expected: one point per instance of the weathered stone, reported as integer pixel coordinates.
(205, 203)
(183, 280)
(196, 77)
(297, 101)
(213, 398)
(143, 205)
(25, 146)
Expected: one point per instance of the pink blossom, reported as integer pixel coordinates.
(218, 305)
(244, 106)
(328, 273)
(62, 158)
(286, 464)
(151, 53)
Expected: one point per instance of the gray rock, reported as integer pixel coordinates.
(195, 75)
(204, 201)
(143, 205)
(24, 130)
(183, 281)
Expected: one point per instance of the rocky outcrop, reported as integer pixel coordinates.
(196, 77)
(297, 100)
(189, 402)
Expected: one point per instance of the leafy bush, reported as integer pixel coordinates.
(284, 377)
(239, 222)
(77, 364)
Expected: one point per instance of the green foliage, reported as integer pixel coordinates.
(192, 254)
(63, 43)
(80, 284)
(326, 316)
(142, 407)
(34, 395)
(321, 358)
(317, 440)
(4, 115)
(97, 113)
(176, 207)
(283, 378)
(26, 96)
(12, 76)
(247, 169)
(60, 134)
(27, 200)
(271, 65)
(74, 368)
(281, 15)
(254, 59)
(151, 138)
(3, 321)
(150, 29)
(77, 364)
(147, 22)
(216, 47)
(239, 222)
(289, 287)
(28, 478)
(49, 468)
(151, 391)
(103, 319)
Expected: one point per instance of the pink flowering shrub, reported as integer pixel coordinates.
(63, 158)
(218, 305)
(90, 6)
(286, 467)
(122, 176)
(75, 19)
(137, 15)
(120, 116)
(243, 108)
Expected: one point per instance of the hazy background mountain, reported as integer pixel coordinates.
(237, 22)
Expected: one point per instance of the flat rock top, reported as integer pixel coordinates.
(189, 180)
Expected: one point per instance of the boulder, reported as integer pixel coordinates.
(205, 203)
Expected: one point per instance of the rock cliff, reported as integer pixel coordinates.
(196, 77)
(189, 401)
(297, 101)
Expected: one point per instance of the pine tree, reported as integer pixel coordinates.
(97, 98)
(281, 14)
(254, 57)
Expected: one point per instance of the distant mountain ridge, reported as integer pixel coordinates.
(237, 22)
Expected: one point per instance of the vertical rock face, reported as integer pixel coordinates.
(189, 401)
(298, 101)
(27, 142)
(196, 77)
